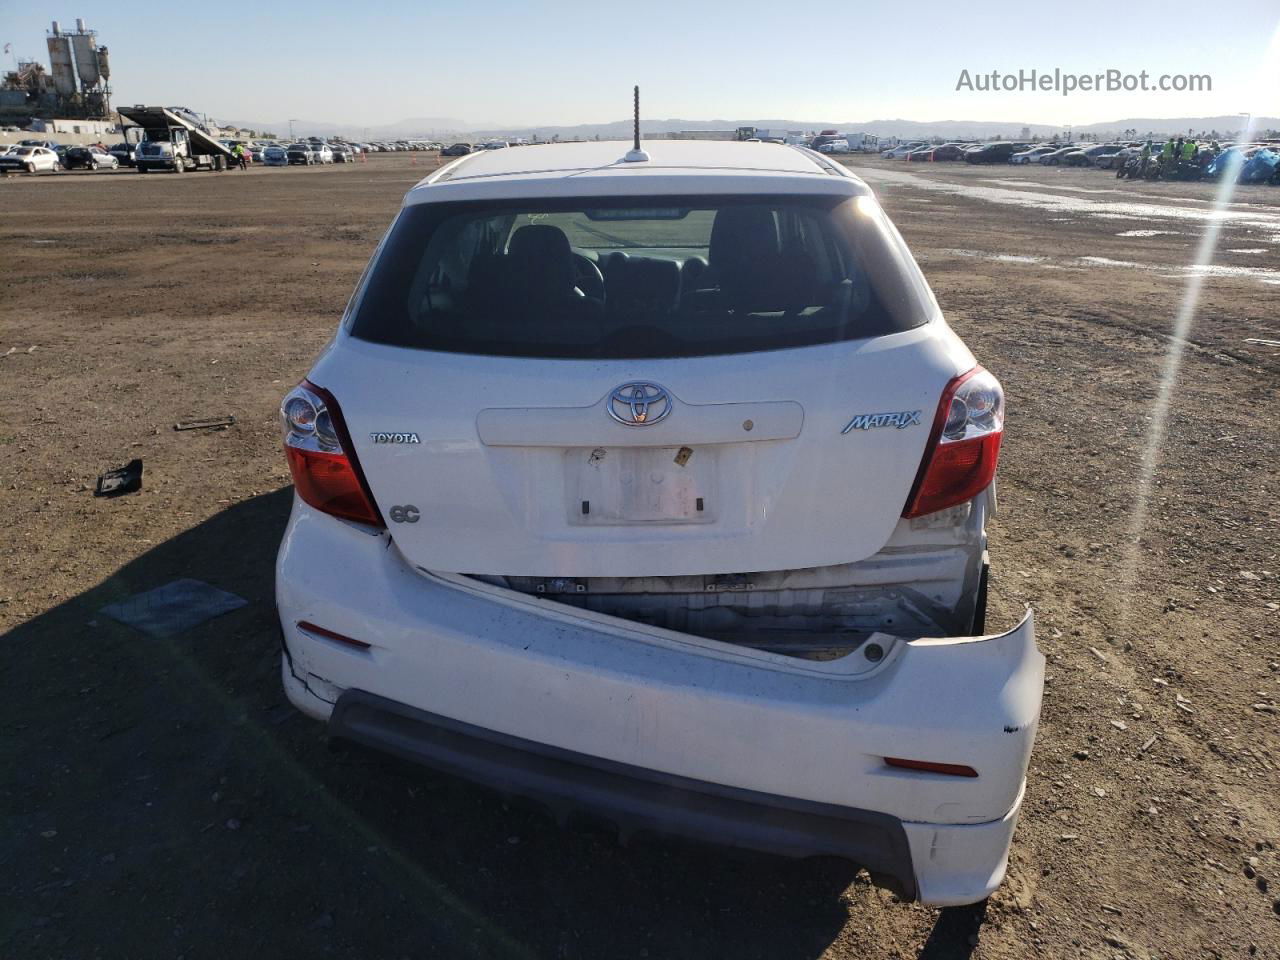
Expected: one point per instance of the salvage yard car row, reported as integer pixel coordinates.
(38, 156)
(1184, 159)
(51, 157)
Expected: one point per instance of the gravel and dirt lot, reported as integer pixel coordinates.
(160, 798)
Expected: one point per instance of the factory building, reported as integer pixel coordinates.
(75, 88)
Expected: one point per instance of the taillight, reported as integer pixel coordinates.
(960, 460)
(325, 471)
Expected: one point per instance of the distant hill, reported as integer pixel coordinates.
(1181, 124)
(448, 127)
(410, 127)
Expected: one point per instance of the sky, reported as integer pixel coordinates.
(500, 63)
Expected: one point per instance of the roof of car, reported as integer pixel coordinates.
(674, 166)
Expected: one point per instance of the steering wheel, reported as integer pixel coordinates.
(587, 277)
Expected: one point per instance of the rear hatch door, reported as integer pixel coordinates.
(530, 467)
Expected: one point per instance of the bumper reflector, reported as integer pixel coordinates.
(331, 635)
(950, 769)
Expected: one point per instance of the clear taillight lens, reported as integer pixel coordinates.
(960, 460)
(325, 471)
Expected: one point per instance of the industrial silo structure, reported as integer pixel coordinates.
(60, 59)
(80, 73)
(84, 44)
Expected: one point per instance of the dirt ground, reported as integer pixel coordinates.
(160, 798)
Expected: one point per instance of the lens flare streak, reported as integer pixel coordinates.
(1199, 272)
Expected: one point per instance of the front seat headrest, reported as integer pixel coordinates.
(540, 262)
(745, 257)
(742, 237)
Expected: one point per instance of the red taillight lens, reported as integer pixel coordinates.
(328, 483)
(957, 472)
(964, 446)
(325, 471)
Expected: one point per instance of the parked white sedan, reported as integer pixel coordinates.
(1031, 156)
(30, 160)
(658, 487)
(901, 150)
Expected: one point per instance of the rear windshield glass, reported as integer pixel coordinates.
(640, 277)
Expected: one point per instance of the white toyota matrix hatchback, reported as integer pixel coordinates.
(656, 486)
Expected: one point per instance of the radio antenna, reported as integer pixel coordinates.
(635, 154)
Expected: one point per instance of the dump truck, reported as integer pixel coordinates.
(172, 138)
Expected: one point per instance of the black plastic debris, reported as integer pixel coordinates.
(126, 479)
(209, 423)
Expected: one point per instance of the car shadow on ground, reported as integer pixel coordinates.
(163, 797)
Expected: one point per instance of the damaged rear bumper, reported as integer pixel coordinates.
(634, 798)
(667, 731)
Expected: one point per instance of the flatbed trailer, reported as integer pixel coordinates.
(166, 140)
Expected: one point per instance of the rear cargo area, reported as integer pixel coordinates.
(923, 583)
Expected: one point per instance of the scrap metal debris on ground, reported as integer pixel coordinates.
(120, 481)
(208, 423)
